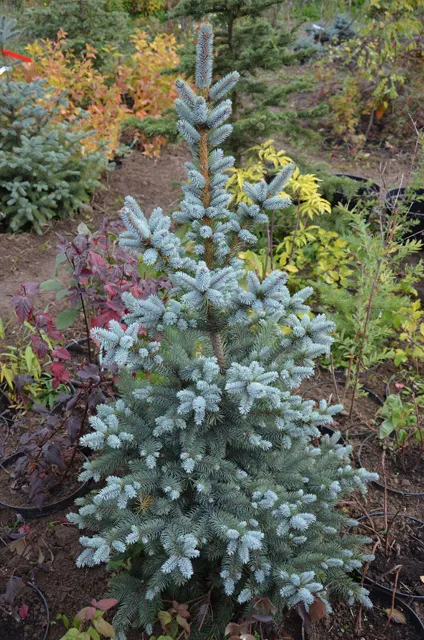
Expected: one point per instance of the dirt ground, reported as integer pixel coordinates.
(27, 257)
(156, 182)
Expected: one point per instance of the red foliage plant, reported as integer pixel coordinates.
(97, 273)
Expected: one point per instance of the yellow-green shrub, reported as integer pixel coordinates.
(306, 250)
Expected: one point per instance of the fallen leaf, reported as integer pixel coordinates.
(396, 616)
(232, 629)
(317, 610)
(422, 578)
(41, 556)
(21, 548)
(23, 611)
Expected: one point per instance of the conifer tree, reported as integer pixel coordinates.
(218, 486)
(250, 42)
(84, 21)
(45, 171)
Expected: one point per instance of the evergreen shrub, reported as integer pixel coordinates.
(85, 22)
(257, 46)
(218, 487)
(44, 169)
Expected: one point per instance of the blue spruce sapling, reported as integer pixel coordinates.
(218, 485)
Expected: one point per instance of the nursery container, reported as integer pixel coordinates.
(80, 347)
(415, 203)
(368, 190)
(405, 494)
(38, 512)
(25, 622)
(387, 590)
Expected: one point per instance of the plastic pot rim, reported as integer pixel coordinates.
(387, 590)
(39, 512)
(404, 494)
(374, 587)
(43, 600)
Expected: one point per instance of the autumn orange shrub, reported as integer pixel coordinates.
(132, 84)
(148, 92)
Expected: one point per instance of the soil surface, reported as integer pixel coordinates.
(405, 549)
(66, 588)
(153, 182)
(361, 422)
(341, 624)
(402, 473)
(33, 624)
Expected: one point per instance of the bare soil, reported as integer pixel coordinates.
(341, 624)
(66, 588)
(357, 425)
(27, 257)
(405, 549)
(402, 471)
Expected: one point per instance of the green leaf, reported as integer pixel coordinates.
(61, 257)
(61, 294)
(164, 618)
(72, 634)
(104, 628)
(93, 633)
(172, 628)
(83, 230)
(64, 619)
(386, 428)
(51, 285)
(66, 318)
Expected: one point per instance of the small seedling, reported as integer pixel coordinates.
(94, 617)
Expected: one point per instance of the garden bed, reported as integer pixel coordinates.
(68, 589)
(341, 625)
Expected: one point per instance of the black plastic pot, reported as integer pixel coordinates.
(371, 394)
(79, 346)
(414, 207)
(367, 191)
(398, 492)
(399, 594)
(328, 431)
(46, 606)
(383, 598)
(44, 601)
(39, 512)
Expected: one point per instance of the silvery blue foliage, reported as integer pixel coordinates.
(211, 464)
